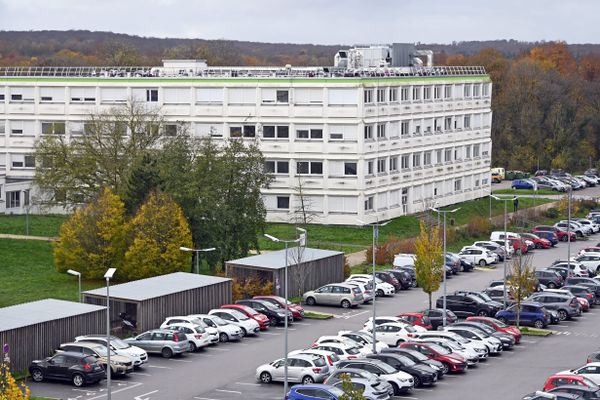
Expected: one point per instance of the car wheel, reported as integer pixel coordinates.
(482, 263)
(396, 388)
(503, 320)
(538, 245)
(537, 324)
(273, 321)
(565, 238)
(311, 301)
(244, 332)
(482, 313)
(399, 342)
(551, 285)
(416, 381)
(167, 352)
(445, 368)
(77, 380)
(562, 315)
(193, 347)
(379, 293)
(307, 380)
(223, 337)
(346, 304)
(37, 375)
(265, 377)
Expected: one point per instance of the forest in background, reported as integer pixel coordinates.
(546, 96)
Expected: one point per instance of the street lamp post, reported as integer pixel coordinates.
(78, 275)
(108, 276)
(376, 225)
(569, 228)
(197, 254)
(444, 318)
(505, 293)
(285, 294)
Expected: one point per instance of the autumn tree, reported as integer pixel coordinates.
(74, 170)
(350, 391)
(522, 281)
(429, 265)
(94, 238)
(155, 235)
(9, 388)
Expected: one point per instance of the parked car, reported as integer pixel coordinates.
(333, 339)
(389, 278)
(384, 319)
(393, 333)
(400, 381)
(499, 326)
(482, 295)
(365, 289)
(582, 291)
(522, 184)
(549, 278)
(538, 395)
(579, 232)
(196, 335)
(314, 391)
(567, 269)
(561, 234)
(467, 305)
(263, 320)
(582, 392)
(355, 374)
(538, 242)
(566, 306)
(493, 247)
(589, 370)
(417, 319)
(343, 350)
(364, 339)
(436, 317)
(418, 358)
(190, 319)
(227, 331)
(330, 357)
(119, 346)
(275, 314)
(247, 325)
(587, 282)
(381, 288)
(479, 349)
(468, 354)
(404, 259)
(533, 314)
(296, 309)
(494, 345)
(550, 236)
(478, 256)
(464, 265)
(589, 223)
(303, 368)
(403, 277)
(507, 340)
(591, 249)
(496, 293)
(340, 294)
(591, 261)
(451, 362)
(568, 379)
(410, 271)
(77, 368)
(164, 342)
(422, 375)
(119, 365)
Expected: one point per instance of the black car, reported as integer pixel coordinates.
(584, 392)
(403, 278)
(436, 317)
(544, 396)
(464, 265)
(549, 278)
(466, 305)
(389, 278)
(418, 357)
(562, 271)
(590, 283)
(275, 314)
(508, 341)
(410, 271)
(77, 368)
(482, 295)
(376, 367)
(422, 374)
(582, 291)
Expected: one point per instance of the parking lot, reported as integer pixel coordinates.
(227, 370)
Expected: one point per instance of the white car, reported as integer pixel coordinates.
(381, 288)
(394, 333)
(589, 260)
(478, 256)
(195, 334)
(122, 348)
(303, 368)
(499, 235)
(366, 292)
(324, 340)
(586, 222)
(478, 348)
(365, 338)
(227, 331)
(330, 357)
(401, 260)
(399, 380)
(494, 346)
(368, 325)
(212, 332)
(344, 351)
(590, 371)
(246, 324)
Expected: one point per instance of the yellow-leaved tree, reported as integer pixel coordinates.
(156, 233)
(93, 239)
(429, 260)
(9, 388)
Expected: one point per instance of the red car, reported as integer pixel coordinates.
(418, 319)
(562, 235)
(538, 242)
(584, 303)
(296, 310)
(567, 379)
(518, 244)
(263, 321)
(498, 326)
(450, 361)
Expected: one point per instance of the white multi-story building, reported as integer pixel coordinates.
(369, 143)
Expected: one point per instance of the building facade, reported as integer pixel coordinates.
(368, 144)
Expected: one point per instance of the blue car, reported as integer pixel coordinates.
(313, 391)
(551, 236)
(521, 184)
(533, 314)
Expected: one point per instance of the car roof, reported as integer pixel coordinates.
(312, 385)
(82, 343)
(72, 354)
(578, 387)
(307, 357)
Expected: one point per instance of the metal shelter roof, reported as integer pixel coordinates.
(276, 259)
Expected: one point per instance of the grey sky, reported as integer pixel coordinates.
(316, 21)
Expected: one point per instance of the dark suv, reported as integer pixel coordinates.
(80, 369)
(589, 283)
(436, 317)
(466, 305)
(549, 278)
(403, 277)
(275, 314)
(389, 278)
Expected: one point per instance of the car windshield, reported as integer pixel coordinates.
(218, 321)
(388, 369)
(500, 324)
(270, 306)
(249, 310)
(336, 391)
(484, 296)
(589, 383)
(352, 350)
(237, 314)
(101, 350)
(406, 361)
(417, 355)
(119, 344)
(439, 349)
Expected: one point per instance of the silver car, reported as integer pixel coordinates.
(356, 374)
(304, 368)
(137, 355)
(164, 342)
(339, 294)
(566, 306)
(370, 390)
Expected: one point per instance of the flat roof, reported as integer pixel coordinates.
(158, 286)
(276, 259)
(37, 312)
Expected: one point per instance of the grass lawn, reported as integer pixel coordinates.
(28, 274)
(528, 191)
(39, 225)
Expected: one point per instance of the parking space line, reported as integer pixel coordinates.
(248, 383)
(289, 329)
(302, 323)
(219, 349)
(139, 373)
(136, 384)
(270, 333)
(228, 391)
(204, 398)
(158, 366)
(185, 361)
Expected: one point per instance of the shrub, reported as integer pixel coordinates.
(250, 287)
(551, 213)
(9, 388)
(478, 226)
(347, 269)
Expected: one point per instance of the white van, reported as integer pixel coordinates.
(404, 259)
(499, 235)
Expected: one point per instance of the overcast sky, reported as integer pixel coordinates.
(316, 21)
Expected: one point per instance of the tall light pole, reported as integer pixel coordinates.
(197, 254)
(78, 275)
(505, 293)
(375, 226)
(108, 276)
(569, 228)
(285, 294)
(444, 318)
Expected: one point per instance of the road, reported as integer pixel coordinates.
(226, 371)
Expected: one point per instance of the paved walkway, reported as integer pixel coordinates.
(27, 237)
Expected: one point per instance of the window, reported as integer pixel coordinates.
(368, 96)
(381, 95)
(349, 168)
(405, 162)
(170, 130)
(2, 126)
(416, 95)
(438, 156)
(272, 131)
(309, 167)
(368, 131)
(21, 94)
(274, 96)
(13, 199)
(381, 131)
(53, 128)
(152, 95)
(369, 203)
(426, 92)
(113, 95)
(468, 152)
(457, 185)
(447, 91)
(393, 95)
(393, 164)
(417, 160)
(370, 168)
(176, 96)
(52, 94)
(467, 122)
(404, 94)
(404, 126)
(427, 158)
(448, 123)
(306, 96)
(467, 91)
(212, 95)
(83, 95)
(457, 155)
(283, 202)
(29, 161)
(342, 132)
(381, 166)
(249, 131)
(342, 97)
(1, 96)
(448, 155)
(486, 90)
(235, 131)
(437, 92)
(476, 90)
(283, 96)
(312, 133)
(476, 150)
